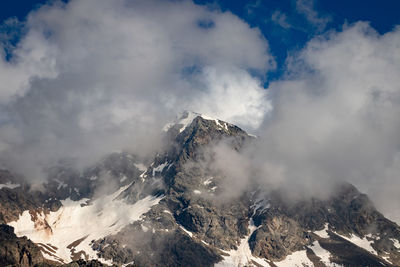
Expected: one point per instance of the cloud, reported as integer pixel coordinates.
(91, 77)
(252, 7)
(280, 19)
(335, 117)
(234, 96)
(306, 8)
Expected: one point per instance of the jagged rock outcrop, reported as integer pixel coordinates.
(282, 228)
(92, 263)
(17, 251)
(17, 195)
(191, 225)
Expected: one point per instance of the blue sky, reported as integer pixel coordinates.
(283, 23)
(287, 28)
(287, 25)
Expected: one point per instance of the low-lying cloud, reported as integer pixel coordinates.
(336, 118)
(339, 120)
(91, 77)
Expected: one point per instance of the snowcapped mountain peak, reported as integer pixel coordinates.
(126, 212)
(184, 119)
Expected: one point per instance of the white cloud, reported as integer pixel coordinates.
(96, 76)
(336, 117)
(90, 77)
(306, 7)
(281, 19)
(233, 96)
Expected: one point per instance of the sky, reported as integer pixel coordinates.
(287, 25)
(317, 81)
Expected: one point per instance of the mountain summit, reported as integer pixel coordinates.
(175, 211)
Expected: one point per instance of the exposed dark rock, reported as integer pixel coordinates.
(17, 251)
(92, 263)
(191, 225)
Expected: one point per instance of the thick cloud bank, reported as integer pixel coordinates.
(90, 77)
(336, 117)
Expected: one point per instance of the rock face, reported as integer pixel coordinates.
(191, 225)
(16, 251)
(284, 228)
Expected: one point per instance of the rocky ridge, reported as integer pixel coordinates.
(190, 226)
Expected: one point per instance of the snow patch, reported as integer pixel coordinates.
(242, 256)
(361, 242)
(186, 231)
(187, 118)
(197, 192)
(205, 243)
(127, 264)
(222, 125)
(396, 243)
(143, 175)
(208, 181)
(48, 253)
(323, 254)
(298, 259)
(387, 258)
(323, 233)
(9, 185)
(260, 204)
(159, 168)
(76, 224)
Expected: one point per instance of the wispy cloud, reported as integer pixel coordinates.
(251, 7)
(306, 8)
(281, 19)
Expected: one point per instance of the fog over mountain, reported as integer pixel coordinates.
(91, 77)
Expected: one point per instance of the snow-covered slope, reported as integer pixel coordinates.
(67, 234)
(242, 256)
(191, 225)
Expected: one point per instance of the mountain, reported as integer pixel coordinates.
(173, 210)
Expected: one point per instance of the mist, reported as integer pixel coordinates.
(92, 77)
(335, 118)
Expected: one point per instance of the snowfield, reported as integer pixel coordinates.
(298, 259)
(68, 232)
(323, 233)
(361, 242)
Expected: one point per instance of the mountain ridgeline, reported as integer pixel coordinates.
(173, 210)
